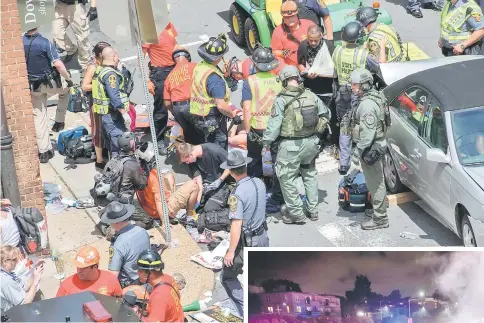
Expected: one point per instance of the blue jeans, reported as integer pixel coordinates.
(113, 127)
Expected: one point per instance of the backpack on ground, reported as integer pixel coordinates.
(353, 194)
(112, 176)
(79, 150)
(75, 100)
(32, 227)
(215, 214)
(66, 135)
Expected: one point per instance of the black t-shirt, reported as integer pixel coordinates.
(303, 53)
(209, 164)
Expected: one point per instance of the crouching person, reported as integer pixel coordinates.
(247, 204)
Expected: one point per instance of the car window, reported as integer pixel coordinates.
(411, 105)
(468, 130)
(433, 128)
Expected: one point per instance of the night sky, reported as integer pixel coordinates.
(335, 272)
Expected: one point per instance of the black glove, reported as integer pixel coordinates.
(70, 83)
(237, 120)
(92, 13)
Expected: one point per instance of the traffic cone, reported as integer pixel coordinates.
(195, 306)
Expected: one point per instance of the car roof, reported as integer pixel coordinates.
(457, 82)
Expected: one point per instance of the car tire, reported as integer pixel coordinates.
(392, 180)
(467, 233)
(237, 24)
(251, 34)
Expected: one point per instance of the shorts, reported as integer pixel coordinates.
(179, 199)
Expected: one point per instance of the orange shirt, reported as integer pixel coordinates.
(146, 197)
(164, 304)
(106, 284)
(160, 54)
(178, 84)
(281, 42)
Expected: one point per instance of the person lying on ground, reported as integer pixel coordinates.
(89, 277)
(9, 234)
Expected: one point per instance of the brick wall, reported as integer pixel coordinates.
(20, 116)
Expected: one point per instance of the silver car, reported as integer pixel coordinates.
(436, 140)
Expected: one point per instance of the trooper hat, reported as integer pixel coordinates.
(117, 212)
(235, 159)
(215, 48)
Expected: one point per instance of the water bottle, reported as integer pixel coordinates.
(408, 235)
(69, 202)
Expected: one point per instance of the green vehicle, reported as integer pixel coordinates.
(252, 21)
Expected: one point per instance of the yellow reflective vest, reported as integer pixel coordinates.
(451, 23)
(264, 87)
(200, 101)
(346, 60)
(101, 100)
(394, 52)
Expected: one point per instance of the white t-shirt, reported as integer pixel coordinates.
(9, 230)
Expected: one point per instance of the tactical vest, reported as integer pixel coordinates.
(300, 112)
(383, 117)
(101, 100)
(306, 13)
(264, 88)
(393, 50)
(200, 101)
(451, 23)
(346, 60)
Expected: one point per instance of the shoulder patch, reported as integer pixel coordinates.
(111, 254)
(476, 16)
(233, 203)
(369, 120)
(112, 81)
(274, 112)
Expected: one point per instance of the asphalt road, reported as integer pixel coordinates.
(334, 227)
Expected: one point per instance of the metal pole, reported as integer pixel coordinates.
(150, 105)
(9, 174)
(409, 313)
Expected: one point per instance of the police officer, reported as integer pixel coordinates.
(127, 244)
(377, 31)
(370, 122)
(110, 99)
(297, 117)
(315, 10)
(248, 223)
(44, 70)
(210, 95)
(347, 58)
(461, 28)
(73, 13)
(258, 94)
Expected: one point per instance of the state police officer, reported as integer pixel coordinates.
(44, 70)
(128, 242)
(370, 122)
(347, 58)
(247, 203)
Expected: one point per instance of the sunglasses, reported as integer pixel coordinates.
(289, 12)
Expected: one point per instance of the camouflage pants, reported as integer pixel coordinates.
(343, 112)
(298, 156)
(375, 181)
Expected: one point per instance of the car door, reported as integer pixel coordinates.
(408, 110)
(436, 177)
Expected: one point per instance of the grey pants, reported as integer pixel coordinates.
(416, 4)
(375, 181)
(343, 113)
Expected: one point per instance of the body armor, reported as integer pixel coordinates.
(300, 112)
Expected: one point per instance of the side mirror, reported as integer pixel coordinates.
(437, 155)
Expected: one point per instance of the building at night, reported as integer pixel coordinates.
(301, 304)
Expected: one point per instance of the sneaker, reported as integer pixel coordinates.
(58, 126)
(313, 216)
(291, 220)
(100, 165)
(369, 213)
(46, 156)
(370, 224)
(417, 13)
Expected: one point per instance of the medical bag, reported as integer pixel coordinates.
(353, 194)
(66, 135)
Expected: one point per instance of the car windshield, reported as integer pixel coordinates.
(468, 127)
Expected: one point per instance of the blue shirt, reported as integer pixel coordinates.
(216, 86)
(315, 6)
(42, 54)
(372, 64)
(112, 89)
(471, 23)
(246, 92)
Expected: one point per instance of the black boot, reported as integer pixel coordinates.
(417, 13)
(292, 220)
(372, 225)
(58, 126)
(343, 170)
(313, 216)
(100, 165)
(369, 213)
(45, 157)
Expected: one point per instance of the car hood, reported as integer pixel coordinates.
(476, 173)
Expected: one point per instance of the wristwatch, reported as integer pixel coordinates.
(462, 46)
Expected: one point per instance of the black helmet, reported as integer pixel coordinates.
(150, 260)
(215, 48)
(181, 52)
(352, 32)
(264, 59)
(366, 15)
(127, 142)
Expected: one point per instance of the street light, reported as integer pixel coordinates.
(422, 294)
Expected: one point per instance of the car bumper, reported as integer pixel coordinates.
(478, 228)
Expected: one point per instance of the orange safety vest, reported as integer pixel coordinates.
(264, 87)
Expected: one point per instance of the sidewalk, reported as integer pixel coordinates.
(73, 228)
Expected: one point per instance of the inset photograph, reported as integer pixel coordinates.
(365, 286)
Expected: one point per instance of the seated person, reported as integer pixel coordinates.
(9, 234)
(186, 196)
(89, 277)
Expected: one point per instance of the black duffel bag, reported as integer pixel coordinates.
(215, 213)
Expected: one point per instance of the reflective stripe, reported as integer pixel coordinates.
(394, 46)
(451, 23)
(200, 101)
(101, 100)
(346, 60)
(265, 84)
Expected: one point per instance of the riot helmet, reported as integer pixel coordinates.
(150, 260)
(366, 15)
(352, 32)
(181, 52)
(264, 59)
(127, 142)
(362, 77)
(214, 49)
(289, 71)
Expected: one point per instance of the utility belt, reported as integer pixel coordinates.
(180, 103)
(248, 235)
(373, 154)
(156, 69)
(71, 2)
(255, 136)
(296, 138)
(52, 80)
(210, 123)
